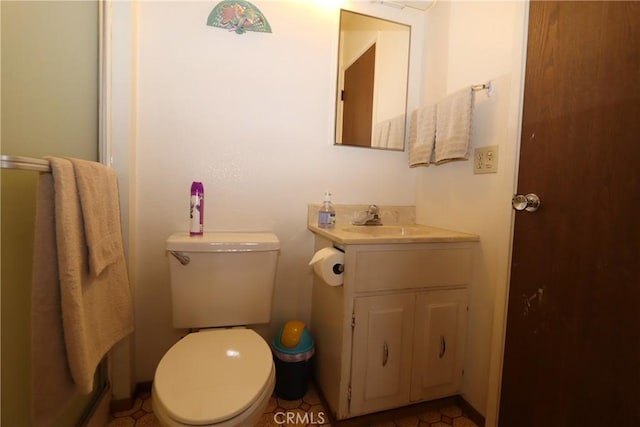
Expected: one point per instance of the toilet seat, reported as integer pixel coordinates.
(213, 376)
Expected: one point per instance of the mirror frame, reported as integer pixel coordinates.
(392, 128)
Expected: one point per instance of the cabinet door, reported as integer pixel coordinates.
(381, 359)
(439, 334)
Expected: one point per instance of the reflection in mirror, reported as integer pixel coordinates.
(373, 69)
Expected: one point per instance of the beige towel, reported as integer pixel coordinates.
(453, 130)
(52, 385)
(396, 133)
(98, 190)
(422, 132)
(97, 311)
(380, 135)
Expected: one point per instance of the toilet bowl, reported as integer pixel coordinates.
(218, 377)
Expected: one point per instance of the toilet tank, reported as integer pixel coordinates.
(222, 279)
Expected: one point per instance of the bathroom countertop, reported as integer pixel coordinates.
(391, 234)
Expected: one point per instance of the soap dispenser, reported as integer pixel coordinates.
(327, 214)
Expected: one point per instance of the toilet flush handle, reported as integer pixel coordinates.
(184, 259)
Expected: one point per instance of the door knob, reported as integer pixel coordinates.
(529, 203)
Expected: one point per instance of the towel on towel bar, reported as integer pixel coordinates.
(453, 130)
(98, 190)
(422, 132)
(380, 135)
(96, 310)
(395, 140)
(52, 385)
(389, 133)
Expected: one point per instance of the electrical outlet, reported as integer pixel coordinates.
(485, 159)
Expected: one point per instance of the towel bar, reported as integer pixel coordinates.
(483, 86)
(25, 163)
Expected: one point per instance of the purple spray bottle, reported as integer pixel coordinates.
(196, 213)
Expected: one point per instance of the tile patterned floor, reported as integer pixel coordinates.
(306, 412)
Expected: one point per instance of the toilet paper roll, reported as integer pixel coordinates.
(328, 264)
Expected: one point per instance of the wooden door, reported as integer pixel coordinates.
(572, 355)
(438, 344)
(381, 359)
(357, 98)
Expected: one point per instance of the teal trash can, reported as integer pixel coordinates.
(291, 355)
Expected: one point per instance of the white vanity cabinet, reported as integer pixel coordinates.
(407, 347)
(438, 343)
(394, 333)
(382, 352)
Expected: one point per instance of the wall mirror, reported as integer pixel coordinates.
(373, 70)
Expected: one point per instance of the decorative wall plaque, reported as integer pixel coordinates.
(239, 16)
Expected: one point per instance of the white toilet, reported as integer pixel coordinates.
(218, 377)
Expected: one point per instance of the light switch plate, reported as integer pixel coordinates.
(485, 159)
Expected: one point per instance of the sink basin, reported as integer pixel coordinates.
(387, 230)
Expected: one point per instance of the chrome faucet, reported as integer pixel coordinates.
(372, 217)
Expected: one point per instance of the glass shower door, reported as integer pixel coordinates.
(49, 106)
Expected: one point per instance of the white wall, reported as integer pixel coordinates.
(466, 43)
(251, 116)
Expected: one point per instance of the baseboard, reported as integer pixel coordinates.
(143, 387)
(121, 405)
(380, 418)
(471, 412)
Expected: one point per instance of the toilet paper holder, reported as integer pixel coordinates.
(328, 264)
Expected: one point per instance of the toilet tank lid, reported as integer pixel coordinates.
(223, 242)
